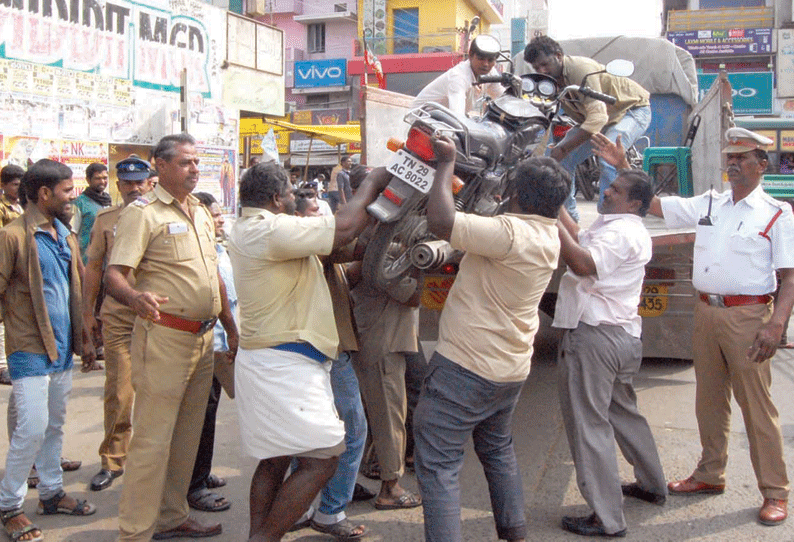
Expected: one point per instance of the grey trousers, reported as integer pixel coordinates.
(599, 406)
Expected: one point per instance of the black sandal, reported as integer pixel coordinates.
(8, 515)
(53, 506)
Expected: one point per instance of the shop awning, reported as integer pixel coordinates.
(331, 134)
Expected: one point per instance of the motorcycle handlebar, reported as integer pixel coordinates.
(606, 98)
(491, 79)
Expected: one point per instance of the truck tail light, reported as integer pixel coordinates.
(420, 143)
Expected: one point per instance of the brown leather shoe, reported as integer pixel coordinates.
(773, 512)
(190, 529)
(690, 486)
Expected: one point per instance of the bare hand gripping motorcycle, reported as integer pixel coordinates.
(511, 128)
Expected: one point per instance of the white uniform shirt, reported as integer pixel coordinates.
(453, 89)
(620, 247)
(731, 256)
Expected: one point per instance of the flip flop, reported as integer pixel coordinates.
(406, 500)
(207, 501)
(214, 482)
(342, 530)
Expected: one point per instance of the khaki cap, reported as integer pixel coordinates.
(742, 140)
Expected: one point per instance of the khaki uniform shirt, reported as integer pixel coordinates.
(99, 249)
(281, 290)
(27, 322)
(343, 308)
(592, 114)
(8, 211)
(490, 317)
(171, 254)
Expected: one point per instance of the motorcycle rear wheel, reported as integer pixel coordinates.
(387, 259)
(587, 175)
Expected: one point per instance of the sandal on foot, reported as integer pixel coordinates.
(53, 506)
(343, 530)
(214, 482)
(33, 478)
(68, 465)
(8, 515)
(207, 501)
(406, 500)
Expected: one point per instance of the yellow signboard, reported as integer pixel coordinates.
(435, 291)
(255, 127)
(786, 140)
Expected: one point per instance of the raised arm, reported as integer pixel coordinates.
(351, 219)
(440, 203)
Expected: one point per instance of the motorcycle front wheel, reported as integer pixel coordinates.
(387, 258)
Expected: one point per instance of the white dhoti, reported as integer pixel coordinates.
(285, 403)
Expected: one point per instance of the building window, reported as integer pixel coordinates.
(316, 38)
(406, 30)
(315, 100)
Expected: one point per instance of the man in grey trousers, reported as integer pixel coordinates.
(601, 351)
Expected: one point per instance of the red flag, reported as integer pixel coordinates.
(372, 61)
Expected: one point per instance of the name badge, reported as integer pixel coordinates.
(177, 227)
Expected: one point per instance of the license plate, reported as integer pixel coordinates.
(412, 170)
(653, 301)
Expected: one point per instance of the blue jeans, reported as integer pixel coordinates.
(454, 404)
(37, 438)
(630, 128)
(338, 492)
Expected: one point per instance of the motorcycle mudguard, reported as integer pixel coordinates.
(385, 209)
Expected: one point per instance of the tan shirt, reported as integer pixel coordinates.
(490, 317)
(282, 294)
(27, 321)
(8, 211)
(171, 254)
(343, 308)
(103, 234)
(592, 114)
(381, 318)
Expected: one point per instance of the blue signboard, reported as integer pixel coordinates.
(752, 92)
(321, 73)
(737, 41)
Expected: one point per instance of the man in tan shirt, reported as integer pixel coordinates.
(113, 325)
(287, 337)
(628, 118)
(485, 342)
(178, 296)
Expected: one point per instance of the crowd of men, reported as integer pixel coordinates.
(318, 349)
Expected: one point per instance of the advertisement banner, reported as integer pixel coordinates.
(737, 41)
(752, 91)
(320, 73)
(785, 63)
(218, 175)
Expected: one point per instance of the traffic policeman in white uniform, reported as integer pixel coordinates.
(742, 236)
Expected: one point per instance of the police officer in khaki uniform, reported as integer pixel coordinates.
(742, 236)
(115, 322)
(178, 295)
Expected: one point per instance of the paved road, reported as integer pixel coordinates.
(666, 395)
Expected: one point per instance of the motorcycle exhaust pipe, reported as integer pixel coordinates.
(431, 254)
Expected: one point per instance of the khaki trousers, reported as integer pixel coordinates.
(171, 375)
(381, 376)
(116, 336)
(722, 337)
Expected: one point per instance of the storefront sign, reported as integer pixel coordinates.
(752, 91)
(321, 73)
(737, 41)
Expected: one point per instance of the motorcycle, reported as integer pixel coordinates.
(510, 129)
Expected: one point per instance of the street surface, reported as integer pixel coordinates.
(666, 395)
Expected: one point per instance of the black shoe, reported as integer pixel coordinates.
(104, 478)
(361, 493)
(634, 490)
(588, 526)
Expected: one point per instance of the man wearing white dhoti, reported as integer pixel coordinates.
(287, 339)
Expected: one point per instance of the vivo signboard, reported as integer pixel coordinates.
(321, 73)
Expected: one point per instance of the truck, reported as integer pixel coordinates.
(668, 296)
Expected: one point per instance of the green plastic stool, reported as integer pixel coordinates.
(680, 157)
